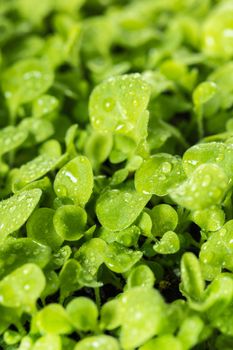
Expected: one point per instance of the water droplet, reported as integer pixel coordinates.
(220, 158)
(71, 176)
(222, 232)
(109, 104)
(26, 287)
(145, 192)
(192, 161)
(12, 208)
(166, 167)
(162, 178)
(206, 180)
(119, 127)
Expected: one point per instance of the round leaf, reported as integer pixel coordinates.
(118, 103)
(210, 152)
(51, 342)
(119, 258)
(22, 287)
(53, 319)
(192, 281)
(34, 170)
(69, 222)
(142, 316)
(168, 244)
(75, 180)
(91, 255)
(164, 218)
(158, 174)
(110, 316)
(210, 219)
(17, 252)
(163, 342)
(141, 276)
(10, 138)
(206, 186)
(26, 80)
(82, 313)
(118, 208)
(40, 228)
(100, 342)
(15, 210)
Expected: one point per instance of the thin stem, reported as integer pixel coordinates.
(200, 125)
(97, 297)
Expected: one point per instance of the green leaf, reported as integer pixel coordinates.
(216, 253)
(205, 187)
(52, 284)
(27, 7)
(50, 341)
(72, 6)
(75, 180)
(91, 255)
(141, 276)
(119, 258)
(144, 223)
(204, 94)
(70, 139)
(22, 287)
(118, 208)
(44, 105)
(163, 342)
(224, 322)
(11, 138)
(119, 104)
(34, 170)
(60, 257)
(69, 222)
(25, 81)
(210, 219)
(216, 35)
(15, 210)
(223, 77)
(53, 319)
(11, 337)
(192, 284)
(164, 218)
(38, 130)
(17, 252)
(119, 177)
(83, 313)
(168, 244)
(26, 343)
(100, 342)
(40, 227)
(211, 152)
(142, 312)
(98, 147)
(51, 148)
(110, 316)
(217, 297)
(159, 174)
(190, 331)
(123, 148)
(206, 102)
(127, 237)
(69, 278)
